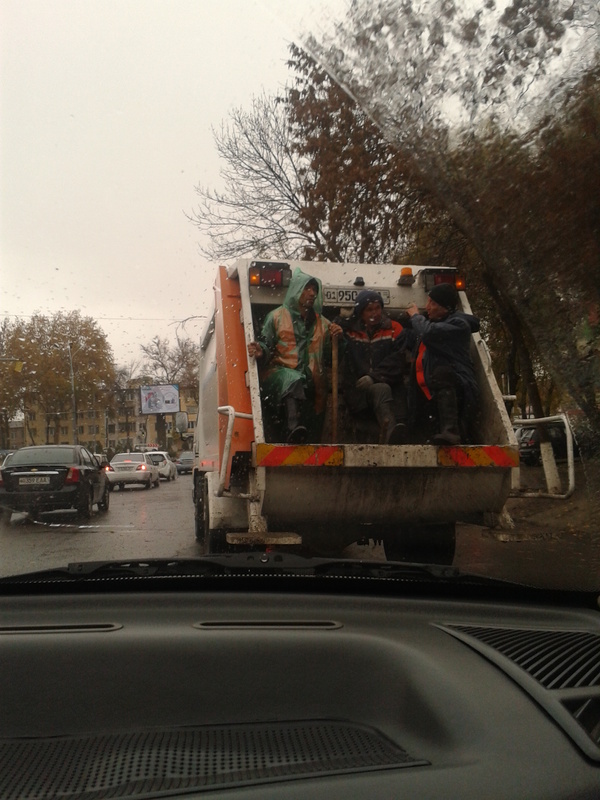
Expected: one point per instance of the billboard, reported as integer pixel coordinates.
(160, 399)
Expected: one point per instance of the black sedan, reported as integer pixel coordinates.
(51, 477)
(529, 443)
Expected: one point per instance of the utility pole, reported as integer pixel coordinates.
(5, 430)
(73, 400)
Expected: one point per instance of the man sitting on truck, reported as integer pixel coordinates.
(443, 373)
(294, 344)
(374, 366)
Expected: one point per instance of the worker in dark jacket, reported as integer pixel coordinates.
(374, 366)
(443, 374)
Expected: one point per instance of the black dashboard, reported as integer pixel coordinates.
(271, 694)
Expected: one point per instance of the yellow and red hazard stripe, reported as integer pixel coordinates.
(308, 455)
(481, 456)
(277, 455)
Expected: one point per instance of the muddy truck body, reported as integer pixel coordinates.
(323, 496)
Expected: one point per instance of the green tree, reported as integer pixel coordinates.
(61, 353)
(484, 104)
(359, 203)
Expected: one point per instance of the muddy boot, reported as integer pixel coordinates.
(448, 416)
(391, 432)
(296, 432)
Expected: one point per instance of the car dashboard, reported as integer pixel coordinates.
(249, 694)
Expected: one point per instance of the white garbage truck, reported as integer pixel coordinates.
(320, 497)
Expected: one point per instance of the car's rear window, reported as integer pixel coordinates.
(138, 457)
(157, 459)
(44, 455)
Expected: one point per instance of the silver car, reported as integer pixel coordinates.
(133, 468)
(166, 467)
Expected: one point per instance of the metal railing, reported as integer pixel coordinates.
(537, 422)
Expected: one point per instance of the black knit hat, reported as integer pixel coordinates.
(445, 295)
(365, 297)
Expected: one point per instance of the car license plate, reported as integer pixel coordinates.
(34, 480)
(342, 295)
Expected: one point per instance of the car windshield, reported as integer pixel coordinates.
(333, 257)
(44, 455)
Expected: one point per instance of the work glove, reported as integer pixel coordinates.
(364, 382)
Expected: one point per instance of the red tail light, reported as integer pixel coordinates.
(108, 468)
(271, 274)
(142, 467)
(73, 475)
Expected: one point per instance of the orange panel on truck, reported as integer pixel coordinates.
(232, 364)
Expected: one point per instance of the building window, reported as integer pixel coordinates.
(64, 431)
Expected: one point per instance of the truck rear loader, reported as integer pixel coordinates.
(321, 497)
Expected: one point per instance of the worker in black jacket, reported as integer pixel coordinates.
(444, 382)
(374, 367)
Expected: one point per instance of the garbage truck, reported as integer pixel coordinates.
(321, 497)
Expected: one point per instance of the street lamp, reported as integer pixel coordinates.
(73, 401)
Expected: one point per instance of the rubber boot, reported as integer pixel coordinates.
(389, 431)
(448, 417)
(296, 432)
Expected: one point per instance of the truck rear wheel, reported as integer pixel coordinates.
(199, 521)
(212, 540)
(423, 544)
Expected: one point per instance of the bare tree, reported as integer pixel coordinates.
(259, 209)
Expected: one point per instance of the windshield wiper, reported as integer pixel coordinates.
(252, 563)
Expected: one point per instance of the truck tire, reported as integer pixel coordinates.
(199, 521)
(423, 544)
(213, 540)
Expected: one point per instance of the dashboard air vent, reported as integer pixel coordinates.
(560, 669)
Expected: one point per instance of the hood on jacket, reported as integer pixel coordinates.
(298, 282)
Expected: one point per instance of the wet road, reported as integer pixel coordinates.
(543, 550)
(140, 523)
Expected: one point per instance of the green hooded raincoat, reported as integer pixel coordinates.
(295, 353)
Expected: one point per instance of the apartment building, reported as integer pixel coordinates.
(100, 428)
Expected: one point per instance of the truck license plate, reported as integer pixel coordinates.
(34, 480)
(342, 295)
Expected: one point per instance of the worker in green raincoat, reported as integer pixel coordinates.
(294, 345)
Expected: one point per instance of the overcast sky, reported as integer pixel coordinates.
(106, 114)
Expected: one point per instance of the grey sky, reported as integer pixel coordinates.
(106, 114)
